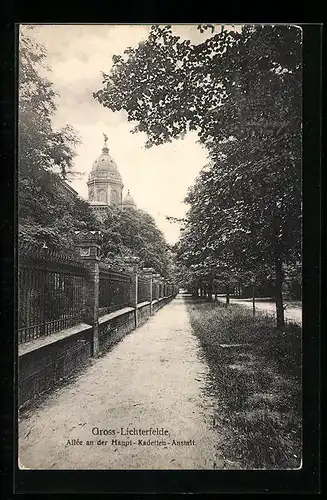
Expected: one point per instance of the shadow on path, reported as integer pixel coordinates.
(142, 405)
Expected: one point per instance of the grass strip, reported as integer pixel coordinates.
(255, 378)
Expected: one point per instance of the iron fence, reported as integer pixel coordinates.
(53, 291)
(51, 294)
(143, 289)
(114, 290)
(155, 290)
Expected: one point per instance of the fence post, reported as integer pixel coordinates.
(88, 247)
(155, 284)
(132, 265)
(148, 272)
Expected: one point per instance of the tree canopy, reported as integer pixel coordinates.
(134, 232)
(46, 212)
(171, 86)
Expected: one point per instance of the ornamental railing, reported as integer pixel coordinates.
(57, 291)
(143, 289)
(114, 290)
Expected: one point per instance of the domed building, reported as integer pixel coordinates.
(105, 185)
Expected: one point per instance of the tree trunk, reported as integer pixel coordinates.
(279, 293)
(227, 296)
(216, 293)
(279, 274)
(253, 299)
(210, 292)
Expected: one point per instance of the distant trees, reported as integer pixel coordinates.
(242, 93)
(134, 232)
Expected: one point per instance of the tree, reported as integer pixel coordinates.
(233, 215)
(242, 93)
(41, 146)
(134, 232)
(46, 213)
(171, 86)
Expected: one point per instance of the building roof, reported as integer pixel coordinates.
(65, 187)
(70, 189)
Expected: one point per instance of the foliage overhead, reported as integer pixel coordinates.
(241, 92)
(170, 86)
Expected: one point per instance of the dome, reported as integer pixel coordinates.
(104, 184)
(128, 200)
(105, 167)
(105, 162)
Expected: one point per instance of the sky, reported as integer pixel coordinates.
(158, 178)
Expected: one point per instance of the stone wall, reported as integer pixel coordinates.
(113, 327)
(48, 351)
(143, 312)
(47, 362)
(42, 366)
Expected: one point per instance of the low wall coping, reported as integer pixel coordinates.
(161, 298)
(115, 314)
(155, 301)
(142, 304)
(35, 344)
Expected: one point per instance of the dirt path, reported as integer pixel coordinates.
(153, 378)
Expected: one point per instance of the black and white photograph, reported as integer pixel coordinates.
(159, 292)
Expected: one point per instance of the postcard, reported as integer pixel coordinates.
(160, 247)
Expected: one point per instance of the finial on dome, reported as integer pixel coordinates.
(105, 148)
